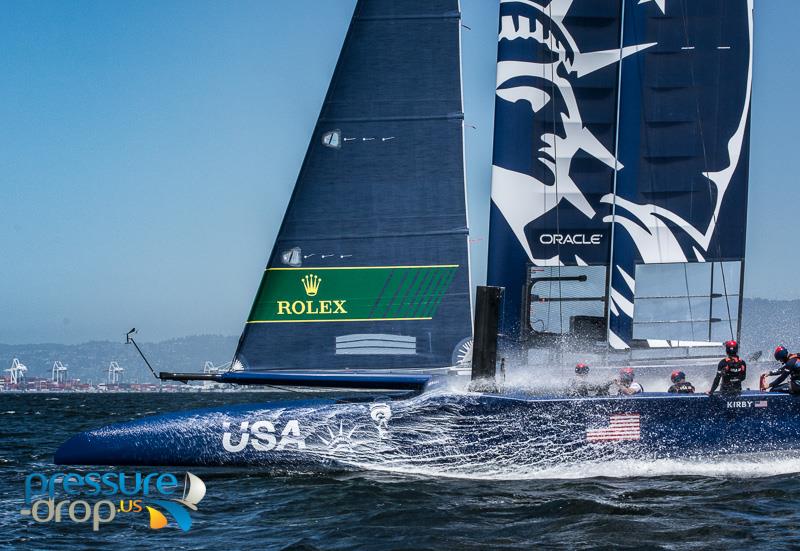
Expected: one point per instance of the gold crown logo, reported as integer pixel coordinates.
(311, 284)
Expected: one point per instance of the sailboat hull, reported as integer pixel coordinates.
(447, 432)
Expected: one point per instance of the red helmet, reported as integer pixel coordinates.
(626, 375)
(732, 347)
(581, 369)
(678, 376)
(781, 353)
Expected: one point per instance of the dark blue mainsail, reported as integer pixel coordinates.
(621, 141)
(370, 267)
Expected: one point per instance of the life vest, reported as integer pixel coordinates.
(635, 387)
(579, 387)
(733, 370)
(684, 387)
(793, 366)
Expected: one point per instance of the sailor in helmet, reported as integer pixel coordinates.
(580, 384)
(731, 371)
(626, 386)
(680, 384)
(790, 368)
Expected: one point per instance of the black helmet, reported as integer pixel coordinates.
(781, 353)
(732, 348)
(678, 376)
(581, 369)
(626, 375)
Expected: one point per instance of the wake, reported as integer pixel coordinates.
(734, 466)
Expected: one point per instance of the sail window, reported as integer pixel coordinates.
(690, 302)
(565, 300)
(332, 139)
(293, 257)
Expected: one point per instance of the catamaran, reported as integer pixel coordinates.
(617, 232)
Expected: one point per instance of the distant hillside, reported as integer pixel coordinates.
(89, 361)
(766, 324)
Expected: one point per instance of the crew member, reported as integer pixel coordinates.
(625, 383)
(790, 368)
(580, 384)
(680, 384)
(731, 371)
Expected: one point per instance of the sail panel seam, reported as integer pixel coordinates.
(443, 16)
(371, 236)
(448, 116)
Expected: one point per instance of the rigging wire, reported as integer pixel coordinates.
(652, 190)
(684, 16)
(650, 173)
(689, 299)
(554, 110)
(705, 164)
(607, 303)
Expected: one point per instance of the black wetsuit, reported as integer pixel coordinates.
(731, 371)
(791, 370)
(684, 387)
(582, 387)
(579, 387)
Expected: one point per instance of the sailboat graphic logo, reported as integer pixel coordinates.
(194, 490)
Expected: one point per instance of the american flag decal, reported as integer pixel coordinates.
(620, 427)
(761, 404)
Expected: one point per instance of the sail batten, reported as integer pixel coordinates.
(452, 15)
(451, 116)
(370, 236)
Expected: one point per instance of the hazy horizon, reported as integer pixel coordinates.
(788, 327)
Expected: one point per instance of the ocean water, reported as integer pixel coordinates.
(732, 502)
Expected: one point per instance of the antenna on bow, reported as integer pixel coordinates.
(129, 340)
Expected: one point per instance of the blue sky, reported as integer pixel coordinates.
(148, 150)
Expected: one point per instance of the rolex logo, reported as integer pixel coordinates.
(311, 284)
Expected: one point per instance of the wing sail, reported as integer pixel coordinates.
(370, 268)
(621, 159)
